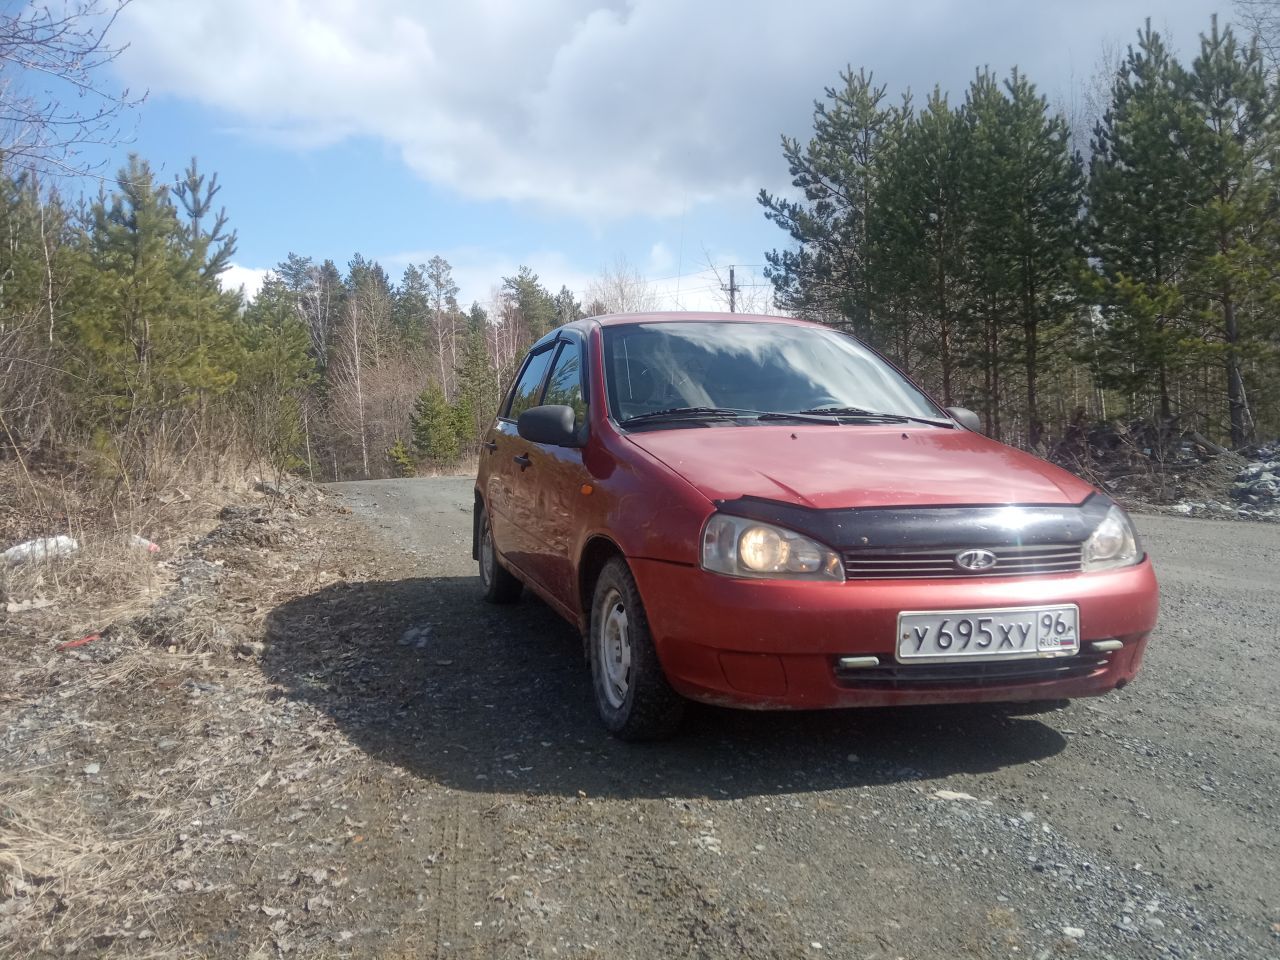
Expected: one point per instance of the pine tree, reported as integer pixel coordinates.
(1022, 199)
(274, 377)
(211, 248)
(534, 309)
(1235, 143)
(969, 246)
(411, 312)
(478, 387)
(402, 459)
(991, 210)
(1142, 200)
(567, 307)
(920, 233)
(831, 274)
(1048, 183)
(434, 426)
(152, 329)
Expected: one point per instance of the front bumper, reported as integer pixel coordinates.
(777, 644)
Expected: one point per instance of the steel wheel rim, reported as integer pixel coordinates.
(486, 553)
(613, 649)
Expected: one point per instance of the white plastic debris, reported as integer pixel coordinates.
(416, 637)
(22, 606)
(41, 549)
(953, 795)
(143, 543)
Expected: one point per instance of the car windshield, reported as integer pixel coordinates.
(750, 366)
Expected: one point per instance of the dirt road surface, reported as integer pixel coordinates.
(1140, 824)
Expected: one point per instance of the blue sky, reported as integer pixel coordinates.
(564, 134)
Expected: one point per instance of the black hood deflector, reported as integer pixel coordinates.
(906, 528)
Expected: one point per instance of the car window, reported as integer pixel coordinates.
(529, 386)
(565, 384)
(772, 367)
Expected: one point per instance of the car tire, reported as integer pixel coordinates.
(632, 694)
(500, 585)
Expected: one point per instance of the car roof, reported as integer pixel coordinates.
(672, 316)
(679, 316)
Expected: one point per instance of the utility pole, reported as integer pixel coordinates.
(733, 292)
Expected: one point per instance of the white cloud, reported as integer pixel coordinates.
(246, 279)
(661, 260)
(598, 108)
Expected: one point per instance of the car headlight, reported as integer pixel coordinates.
(748, 548)
(1113, 544)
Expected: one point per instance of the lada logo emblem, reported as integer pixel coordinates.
(975, 561)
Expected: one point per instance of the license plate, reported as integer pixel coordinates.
(1005, 634)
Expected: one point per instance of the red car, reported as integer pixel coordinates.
(764, 513)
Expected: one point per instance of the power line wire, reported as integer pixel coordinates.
(694, 273)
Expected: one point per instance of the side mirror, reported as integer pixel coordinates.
(966, 418)
(551, 423)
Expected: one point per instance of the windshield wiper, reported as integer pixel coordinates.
(839, 411)
(831, 415)
(857, 413)
(803, 416)
(684, 413)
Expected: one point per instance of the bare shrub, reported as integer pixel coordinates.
(620, 288)
(27, 381)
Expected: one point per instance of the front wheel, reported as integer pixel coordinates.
(499, 584)
(632, 694)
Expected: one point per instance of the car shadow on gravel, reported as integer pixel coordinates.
(424, 674)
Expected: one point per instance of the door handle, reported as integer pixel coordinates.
(523, 460)
(490, 446)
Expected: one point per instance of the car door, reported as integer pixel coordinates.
(554, 480)
(505, 497)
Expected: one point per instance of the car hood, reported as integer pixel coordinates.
(828, 466)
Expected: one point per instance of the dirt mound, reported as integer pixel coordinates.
(250, 527)
(1148, 465)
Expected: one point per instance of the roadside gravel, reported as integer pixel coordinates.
(1140, 824)
(316, 740)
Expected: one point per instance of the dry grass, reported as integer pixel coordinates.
(64, 870)
(103, 510)
(59, 867)
(83, 874)
(124, 786)
(106, 580)
(108, 752)
(466, 467)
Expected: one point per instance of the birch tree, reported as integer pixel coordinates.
(442, 298)
(53, 101)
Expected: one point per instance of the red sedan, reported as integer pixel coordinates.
(764, 513)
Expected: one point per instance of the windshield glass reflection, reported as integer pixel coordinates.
(761, 367)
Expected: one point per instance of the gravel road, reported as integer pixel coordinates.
(1140, 824)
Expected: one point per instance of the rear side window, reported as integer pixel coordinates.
(529, 386)
(565, 385)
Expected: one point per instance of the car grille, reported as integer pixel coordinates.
(1014, 561)
(986, 673)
